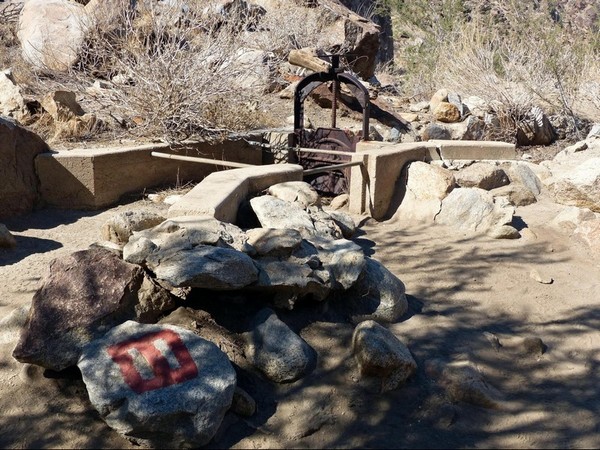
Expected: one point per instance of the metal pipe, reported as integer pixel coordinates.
(334, 167)
(196, 159)
(320, 151)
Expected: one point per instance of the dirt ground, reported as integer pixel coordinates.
(461, 288)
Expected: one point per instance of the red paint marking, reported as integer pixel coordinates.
(164, 375)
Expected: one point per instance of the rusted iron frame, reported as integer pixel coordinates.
(311, 82)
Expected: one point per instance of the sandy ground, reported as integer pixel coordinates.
(461, 288)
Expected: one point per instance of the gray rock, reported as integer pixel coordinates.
(578, 185)
(504, 232)
(516, 193)
(419, 107)
(454, 99)
(277, 351)
(82, 297)
(475, 209)
(379, 353)
(18, 149)
(273, 241)
(324, 225)
(291, 280)
(534, 274)
(207, 267)
(481, 175)
(426, 186)
(589, 233)
(339, 202)
(344, 259)
(522, 172)
(179, 234)
(435, 131)
(295, 191)
(464, 383)
(594, 132)
(378, 295)
(7, 240)
(120, 227)
(476, 106)
(344, 222)
(243, 404)
(12, 103)
(572, 217)
(10, 326)
(162, 386)
(276, 213)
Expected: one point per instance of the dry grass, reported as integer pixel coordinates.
(510, 54)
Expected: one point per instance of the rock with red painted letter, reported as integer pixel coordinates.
(159, 385)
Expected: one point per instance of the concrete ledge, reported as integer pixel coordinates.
(372, 187)
(220, 194)
(477, 150)
(96, 178)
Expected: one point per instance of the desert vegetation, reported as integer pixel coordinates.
(188, 69)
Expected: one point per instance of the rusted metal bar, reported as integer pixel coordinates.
(196, 159)
(319, 151)
(334, 167)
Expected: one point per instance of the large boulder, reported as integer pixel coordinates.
(380, 353)
(83, 296)
(426, 186)
(208, 267)
(577, 185)
(277, 351)
(378, 295)
(52, 33)
(19, 183)
(474, 209)
(159, 385)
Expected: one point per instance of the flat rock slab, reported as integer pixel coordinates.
(207, 267)
(273, 212)
(160, 385)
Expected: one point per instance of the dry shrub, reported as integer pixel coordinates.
(512, 54)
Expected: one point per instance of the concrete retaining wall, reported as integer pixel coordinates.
(372, 185)
(96, 178)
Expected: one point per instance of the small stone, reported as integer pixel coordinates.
(534, 274)
(504, 232)
(7, 240)
(533, 346)
(243, 404)
(339, 202)
(446, 112)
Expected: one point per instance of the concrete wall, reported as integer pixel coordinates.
(96, 178)
(372, 185)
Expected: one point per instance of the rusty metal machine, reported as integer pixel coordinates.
(335, 140)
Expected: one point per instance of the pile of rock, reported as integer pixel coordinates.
(472, 196)
(157, 367)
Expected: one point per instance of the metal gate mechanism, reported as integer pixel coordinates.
(332, 181)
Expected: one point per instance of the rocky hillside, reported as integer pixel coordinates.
(177, 69)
